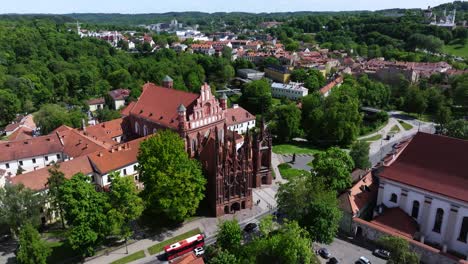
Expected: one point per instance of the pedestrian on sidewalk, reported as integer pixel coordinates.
(294, 158)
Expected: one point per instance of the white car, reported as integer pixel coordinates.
(199, 251)
(364, 260)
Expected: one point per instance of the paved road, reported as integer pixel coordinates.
(348, 253)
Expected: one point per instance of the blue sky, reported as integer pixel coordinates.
(159, 6)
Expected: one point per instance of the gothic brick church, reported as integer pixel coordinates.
(232, 163)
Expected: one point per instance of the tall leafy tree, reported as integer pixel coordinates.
(224, 257)
(308, 201)
(288, 244)
(174, 183)
(86, 214)
(18, 206)
(127, 206)
(286, 122)
(229, 235)
(457, 128)
(51, 116)
(55, 180)
(256, 97)
(334, 166)
(360, 154)
(32, 250)
(399, 250)
(10, 106)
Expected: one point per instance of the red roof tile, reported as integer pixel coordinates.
(118, 157)
(126, 110)
(237, 115)
(38, 146)
(76, 144)
(37, 180)
(106, 131)
(160, 104)
(22, 133)
(331, 85)
(396, 220)
(96, 101)
(434, 163)
(189, 259)
(119, 94)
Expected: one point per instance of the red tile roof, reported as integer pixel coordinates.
(434, 163)
(37, 180)
(106, 131)
(76, 144)
(38, 146)
(160, 104)
(126, 110)
(396, 220)
(96, 101)
(237, 115)
(189, 258)
(119, 156)
(331, 85)
(360, 195)
(119, 94)
(22, 133)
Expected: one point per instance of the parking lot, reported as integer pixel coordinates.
(348, 253)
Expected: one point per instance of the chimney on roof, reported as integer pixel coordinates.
(79, 141)
(119, 148)
(100, 154)
(168, 82)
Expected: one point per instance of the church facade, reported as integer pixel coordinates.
(232, 163)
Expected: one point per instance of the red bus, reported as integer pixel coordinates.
(183, 247)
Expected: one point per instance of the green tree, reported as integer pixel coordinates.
(55, 180)
(174, 184)
(360, 155)
(334, 166)
(119, 79)
(415, 101)
(229, 235)
(286, 122)
(308, 201)
(224, 257)
(10, 106)
(19, 205)
(457, 129)
(32, 250)
(51, 116)
(443, 116)
(427, 42)
(288, 244)
(256, 97)
(107, 114)
(227, 53)
(299, 75)
(86, 214)
(126, 205)
(399, 249)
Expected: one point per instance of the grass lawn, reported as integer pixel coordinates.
(291, 149)
(61, 252)
(287, 172)
(395, 129)
(373, 138)
(137, 255)
(456, 49)
(405, 125)
(160, 246)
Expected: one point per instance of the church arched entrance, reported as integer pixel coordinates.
(235, 207)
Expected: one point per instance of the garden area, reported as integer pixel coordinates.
(288, 172)
(295, 148)
(405, 125)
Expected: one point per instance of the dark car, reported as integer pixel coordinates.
(332, 261)
(384, 254)
(324, 253)
(250, 227)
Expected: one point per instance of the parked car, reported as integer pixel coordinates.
(324, 253)
(382, 253)
(250, 227)
(333, 261)
(199, 251)
(363, 260)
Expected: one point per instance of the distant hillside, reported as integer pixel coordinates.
(189, 17)
(23, 17)
(459, 5)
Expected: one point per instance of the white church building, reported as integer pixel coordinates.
(428, 180)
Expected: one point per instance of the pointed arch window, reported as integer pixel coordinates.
(438, 220)
(415, 210)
